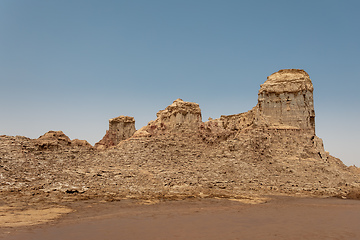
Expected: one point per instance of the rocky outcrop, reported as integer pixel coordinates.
(179, 115)
(120, 128)
(53, 140)
(286, 100)
(270, 149)
(281, 125)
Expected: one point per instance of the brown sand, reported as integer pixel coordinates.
(279, 218)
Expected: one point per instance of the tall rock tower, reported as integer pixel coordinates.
(286, 100)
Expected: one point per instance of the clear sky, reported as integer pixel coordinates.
(72, 65)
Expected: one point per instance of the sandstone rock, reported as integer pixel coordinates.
(286, 100)
(53, 140)
(178, 115)
(81, 143)
(266, 150)
(120, 128)
(56, 136)
(142, 132)
(221, 128)
(282, 124)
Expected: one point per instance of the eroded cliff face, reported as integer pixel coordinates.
(281, 125)
(179, 115)
(120, 128)
(272, 148)
(286, 100)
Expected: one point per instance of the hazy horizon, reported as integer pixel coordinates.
(72, 65)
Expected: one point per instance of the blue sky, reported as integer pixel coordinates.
(72, 65)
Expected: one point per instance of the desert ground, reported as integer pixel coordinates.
(269, 217)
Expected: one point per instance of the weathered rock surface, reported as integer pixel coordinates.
(286, 100)
(58, 140)
(271, 149)
(179, 115)
(281, 125)
(120, 128)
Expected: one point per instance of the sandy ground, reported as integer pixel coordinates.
(277, 218)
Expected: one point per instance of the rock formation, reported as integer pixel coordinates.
(282, 124)
(58, 140)
(270, 149)
(120, 128)
(179, 115)
(286, 100)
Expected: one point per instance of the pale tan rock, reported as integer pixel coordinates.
(81, 143)
(286, 100)
(53, 140)
(142, 132)
(282, 124)
(287, 80)
(178, 115)
(120, 128)
(58, 140)
(263, 151)
(55, 135)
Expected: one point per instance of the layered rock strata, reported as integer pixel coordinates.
(53, 140)
(283, 119)
(270, 149)
(286, 100)
(120, 128)
(179, 115)
(282, 124)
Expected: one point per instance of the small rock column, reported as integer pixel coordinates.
(120, 128)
